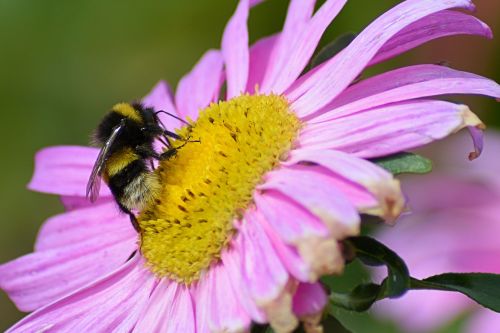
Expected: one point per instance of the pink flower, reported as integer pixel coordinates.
(282, 158)
(454, 228)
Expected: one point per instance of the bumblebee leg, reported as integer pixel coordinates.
(173, 116)
(169, 134)
(133, 220)
(145, 151)
(169, 153)
(166, 142)
(131, 255)
(135, 224)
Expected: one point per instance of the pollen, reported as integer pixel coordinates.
(208, 184)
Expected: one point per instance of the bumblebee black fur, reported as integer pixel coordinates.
(127, 134)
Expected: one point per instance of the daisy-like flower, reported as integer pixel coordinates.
(249, 218)
(456, 209)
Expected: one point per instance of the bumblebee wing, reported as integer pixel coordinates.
(94, 183)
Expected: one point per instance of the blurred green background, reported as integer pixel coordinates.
(64, 63)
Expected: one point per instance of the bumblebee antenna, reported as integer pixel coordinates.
(173, 116)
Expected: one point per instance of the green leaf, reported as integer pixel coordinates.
(261, 329)
(359, 299)
(361, 322)
(332, 324)
(405, 163)
(373, 253)
(331, 49)
(481, 287)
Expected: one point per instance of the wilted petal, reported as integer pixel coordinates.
(201, 86)
(477, 135)
(235, 50)
(112, 304)
(279, 211)
(310, 237)
(64, 170)
(405, 84)
(308, 303)
(378, 181)
(389, 129)
(327, 201)
(314, 91)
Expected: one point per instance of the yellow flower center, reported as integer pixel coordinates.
(208, 184)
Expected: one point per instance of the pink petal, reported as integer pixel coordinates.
(160, 98)
(264, 273)
(64, 170)
(484, 321)
(309, 299)
(390, 129)
(357, 195)
(169, 310)
(463, 240)
(99, 222)
(483, 171)
(281, 212)
(450, 191)
(423, 310)
(255, 2)
(459, 245)
(232, 260)
(235, 50)
(297, 42)
(299, 13)
(289, 255)
(440, 24)
(260, 53)
(71, 252)
(112, 304)
(405, 84)
(201, 86)
(218, 303)
(314, 91)
(75, 202)
(375, 179)
(310, 251)
(477, 135)
(298, 16)
(327, 201)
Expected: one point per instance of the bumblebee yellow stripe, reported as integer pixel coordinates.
(127, 110)
(120, 160)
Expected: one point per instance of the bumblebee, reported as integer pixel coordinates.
(125, 162)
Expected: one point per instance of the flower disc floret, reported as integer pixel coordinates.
(208, 184)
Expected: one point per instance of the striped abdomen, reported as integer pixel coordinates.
(131, 181)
